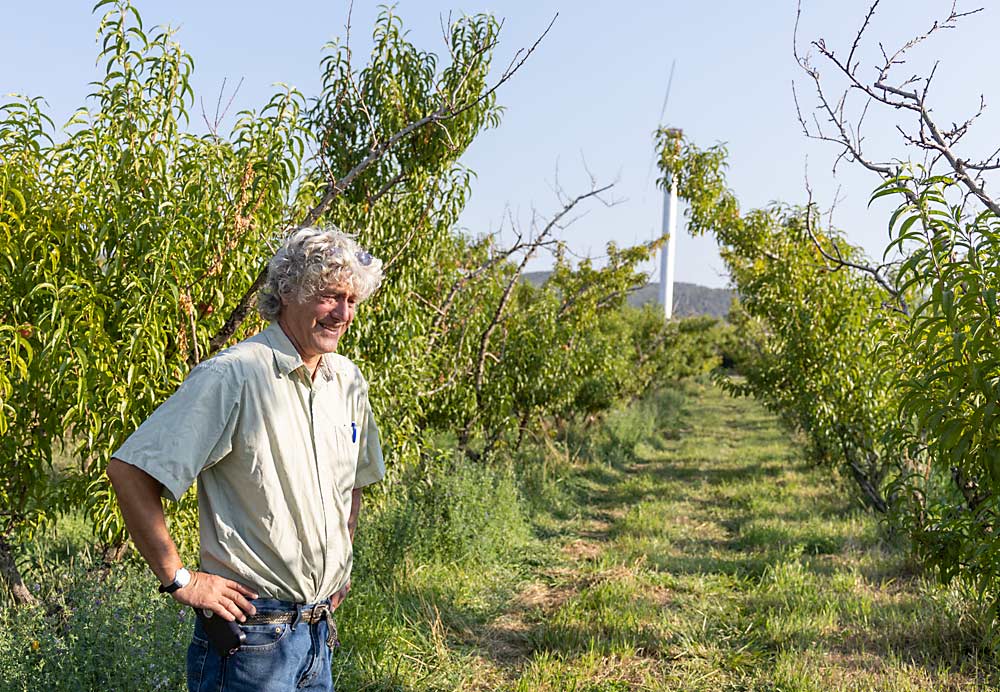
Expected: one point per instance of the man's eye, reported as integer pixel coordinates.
(336, 297)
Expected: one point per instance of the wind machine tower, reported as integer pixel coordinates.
(668, 254)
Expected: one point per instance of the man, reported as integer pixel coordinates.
(279, 434)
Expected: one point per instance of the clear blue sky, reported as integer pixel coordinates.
(592, 93)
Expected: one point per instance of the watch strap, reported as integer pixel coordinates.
(181, 579)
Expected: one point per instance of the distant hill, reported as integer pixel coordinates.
(690, 300)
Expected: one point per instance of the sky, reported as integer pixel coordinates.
(588, 101)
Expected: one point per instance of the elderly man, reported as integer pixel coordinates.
(280, 436)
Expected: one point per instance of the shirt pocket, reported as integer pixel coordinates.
(342, 455)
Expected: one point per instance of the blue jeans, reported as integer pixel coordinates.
(274, 657)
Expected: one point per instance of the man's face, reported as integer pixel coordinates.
(316, 325)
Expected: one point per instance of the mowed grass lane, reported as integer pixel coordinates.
(721, 560)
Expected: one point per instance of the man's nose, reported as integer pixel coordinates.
(339, 310)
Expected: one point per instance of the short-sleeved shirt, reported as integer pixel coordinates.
(276, 454)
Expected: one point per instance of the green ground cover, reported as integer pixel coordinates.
(682, 544)
(721, 560)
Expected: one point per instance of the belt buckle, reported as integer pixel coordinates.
(323, 611)
(320, 612)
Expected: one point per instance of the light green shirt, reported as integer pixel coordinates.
(276, 455)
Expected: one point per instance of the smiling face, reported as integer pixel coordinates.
(315, 326)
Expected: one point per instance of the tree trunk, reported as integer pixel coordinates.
(114, 552)
(870, 492)
(11, 577)
(973, 494)
(873, 498)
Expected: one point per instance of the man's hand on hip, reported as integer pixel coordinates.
(228, 599)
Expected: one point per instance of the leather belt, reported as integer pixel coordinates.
(310, 616)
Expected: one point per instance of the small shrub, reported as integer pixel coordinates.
(96, 630)
(649, 420)
(448, 509)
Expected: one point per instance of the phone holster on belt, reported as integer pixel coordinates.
(225, 636)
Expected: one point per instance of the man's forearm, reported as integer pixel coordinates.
(352, 521)
(139, 498)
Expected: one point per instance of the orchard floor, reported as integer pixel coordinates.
(718, 560)
(697, 553)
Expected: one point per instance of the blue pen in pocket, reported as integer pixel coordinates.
(354, 432)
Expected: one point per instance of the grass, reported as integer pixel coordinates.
(722, 561)
(682, 544)
(717, 559)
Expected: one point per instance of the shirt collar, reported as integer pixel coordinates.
(287, 359)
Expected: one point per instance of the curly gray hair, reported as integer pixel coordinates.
(310, 261)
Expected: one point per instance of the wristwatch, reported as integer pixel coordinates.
(181, 579)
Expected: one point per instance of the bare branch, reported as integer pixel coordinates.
(498, 313)
(837, 257)
(237, 316)
(857, 39)
(532, 246)
(428, 303)
(350, 78)
(391, 183)
(933, 140)
(213, 127)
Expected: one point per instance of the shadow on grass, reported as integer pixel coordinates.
(911, 629)
(928, 640)
(567, 639)
(756, 535)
